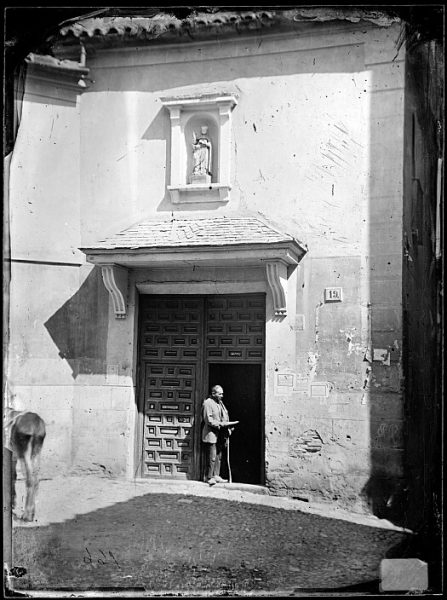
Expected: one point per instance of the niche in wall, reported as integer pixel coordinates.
(200, 147)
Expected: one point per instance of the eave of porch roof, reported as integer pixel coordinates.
(240, 239)
(237, 255)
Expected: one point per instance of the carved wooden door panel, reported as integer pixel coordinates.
(235, 328)
(168, 431)
(170, 352)
(181, 336)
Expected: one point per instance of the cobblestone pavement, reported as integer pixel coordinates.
(152, 538)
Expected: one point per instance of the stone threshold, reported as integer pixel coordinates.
(236, 486)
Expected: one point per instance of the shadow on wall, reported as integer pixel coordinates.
(160, 129)
(386, 489)
(405, 481)
(79, 328)
(228, 68)
(387, 497)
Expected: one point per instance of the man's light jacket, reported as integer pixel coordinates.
(213, 414)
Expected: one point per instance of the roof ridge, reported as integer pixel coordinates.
(250, 18)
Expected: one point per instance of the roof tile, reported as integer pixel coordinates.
(210, 231)
(151, 27)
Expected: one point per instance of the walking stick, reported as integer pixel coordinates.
(228, 460)
(230, 479)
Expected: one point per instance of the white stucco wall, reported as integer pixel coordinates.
(317, 145)
(44, 241)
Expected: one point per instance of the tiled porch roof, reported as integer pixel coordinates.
(196, 232)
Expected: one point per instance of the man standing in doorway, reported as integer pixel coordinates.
(215, 434)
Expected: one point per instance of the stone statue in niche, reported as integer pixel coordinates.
(201, 154)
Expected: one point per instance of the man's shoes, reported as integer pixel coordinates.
(212, 481)
(220, 480)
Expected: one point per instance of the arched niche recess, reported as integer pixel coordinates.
(187, 115)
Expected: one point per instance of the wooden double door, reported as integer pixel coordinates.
(188, 344)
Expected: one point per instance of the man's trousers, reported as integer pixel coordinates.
(213, 454)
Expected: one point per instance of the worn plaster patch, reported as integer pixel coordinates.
(299, 323)
(309, 442)
(353, 346)
(312, 361)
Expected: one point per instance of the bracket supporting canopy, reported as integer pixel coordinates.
(208, 240)
(116, 281)
(276, 272)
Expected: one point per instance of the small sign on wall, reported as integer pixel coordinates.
(333, 294)
(284, 383)
(319, 389)
(382, 355)
(285, 379)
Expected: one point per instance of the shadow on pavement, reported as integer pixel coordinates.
(174, 542)
(367, 587)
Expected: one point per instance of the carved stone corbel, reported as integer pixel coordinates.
(115, 280)
(277, 279)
